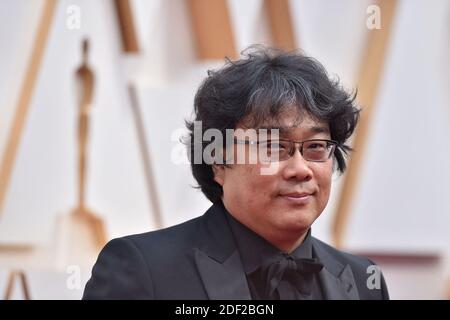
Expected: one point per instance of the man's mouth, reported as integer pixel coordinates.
(297, 197)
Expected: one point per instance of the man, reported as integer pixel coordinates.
(255, 241)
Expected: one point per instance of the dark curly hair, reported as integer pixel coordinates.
(260, 86)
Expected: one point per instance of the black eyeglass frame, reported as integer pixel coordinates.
(334, 144)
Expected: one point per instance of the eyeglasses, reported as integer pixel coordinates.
(315, 150)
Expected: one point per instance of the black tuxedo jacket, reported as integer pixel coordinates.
(198, 259)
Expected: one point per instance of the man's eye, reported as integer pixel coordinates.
(316, 146)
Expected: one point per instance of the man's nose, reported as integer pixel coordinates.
(297, 168)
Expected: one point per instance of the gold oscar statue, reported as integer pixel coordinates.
(85, 83)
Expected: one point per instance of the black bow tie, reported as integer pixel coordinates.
(286, 273)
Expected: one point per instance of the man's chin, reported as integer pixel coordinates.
(295, 224)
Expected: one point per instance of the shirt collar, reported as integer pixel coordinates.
(254, 249)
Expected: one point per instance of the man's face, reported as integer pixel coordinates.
(271, 205)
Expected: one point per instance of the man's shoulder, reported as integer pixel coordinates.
(125, 265)
(181, 234)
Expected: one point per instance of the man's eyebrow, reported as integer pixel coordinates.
(280, 129)
(319, 129)
(287, 130)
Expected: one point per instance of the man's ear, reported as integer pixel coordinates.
(219, 172)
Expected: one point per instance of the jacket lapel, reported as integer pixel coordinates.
(337, 280)
(218, 260)
(342, 287)
(223, 280)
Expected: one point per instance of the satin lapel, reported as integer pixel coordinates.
(223, 281)
(336, 279)
(342, 287)
(217, 258)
